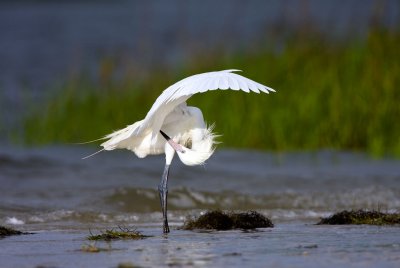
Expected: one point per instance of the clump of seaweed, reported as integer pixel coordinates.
(219, 220)
(362, 217)
(5, 231)
(215, 219)
(250, 220)
(120, 233)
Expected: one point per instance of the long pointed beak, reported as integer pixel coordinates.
(177, 147)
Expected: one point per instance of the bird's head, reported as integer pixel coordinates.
(196, 147)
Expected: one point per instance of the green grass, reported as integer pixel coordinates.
(339, 95)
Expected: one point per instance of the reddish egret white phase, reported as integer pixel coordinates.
(171, 126)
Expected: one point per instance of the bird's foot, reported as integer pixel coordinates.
(166, 228)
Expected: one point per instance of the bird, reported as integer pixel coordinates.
(171, 126)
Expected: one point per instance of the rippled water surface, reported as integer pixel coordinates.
(55, 194)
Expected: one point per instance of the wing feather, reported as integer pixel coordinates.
(242, 84)
(208, 84)
(253, 87)
(233, 83)
(179, 92)
(223, 83)
(215, 84)
(202, 84)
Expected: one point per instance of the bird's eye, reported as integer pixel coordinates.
(188, 143)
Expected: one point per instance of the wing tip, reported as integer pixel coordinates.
(231, 70)
(266, 89)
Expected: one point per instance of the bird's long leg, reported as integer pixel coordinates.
(170, 148)
(163, 191)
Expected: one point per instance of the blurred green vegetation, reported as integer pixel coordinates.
(330, 94)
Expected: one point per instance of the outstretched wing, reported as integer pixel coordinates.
(179, 92)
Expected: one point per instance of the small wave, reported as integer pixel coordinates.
(176, 217)
(14, 221)
(147, 200)
(141, 205)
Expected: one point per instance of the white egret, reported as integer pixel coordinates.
(171, 126)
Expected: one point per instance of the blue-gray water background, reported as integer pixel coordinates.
(54, 193)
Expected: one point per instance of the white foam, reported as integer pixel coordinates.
(14, 221)
(36, 219)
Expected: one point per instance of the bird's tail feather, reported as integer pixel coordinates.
(93, 154)
(87, 142)
(116, 139)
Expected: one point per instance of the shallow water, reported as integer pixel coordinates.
(286, 245)
(52, 192)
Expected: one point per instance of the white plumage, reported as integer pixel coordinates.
(171, 126)
(182, 123)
